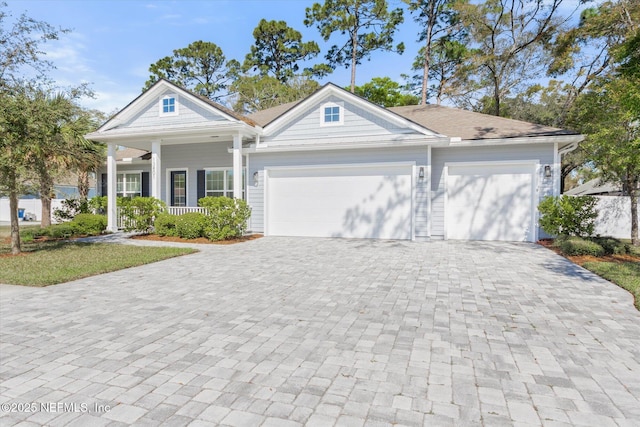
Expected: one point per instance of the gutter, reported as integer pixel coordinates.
(560, 139)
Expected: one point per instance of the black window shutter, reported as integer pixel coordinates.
(145, 184)
(103, 184)
(200, 184)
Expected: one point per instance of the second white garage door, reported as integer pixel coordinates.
(372, 201)
(490, 201)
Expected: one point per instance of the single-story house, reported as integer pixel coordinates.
(337, 165)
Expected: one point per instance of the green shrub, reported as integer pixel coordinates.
(576, 246)
(98, 205)
(612, 246)
(70, 208)
(165, 225)
(90, 224)
(226, 217)
(568, 215)
(30, 234)
(60, 231)
(140, 212)
(191, 225)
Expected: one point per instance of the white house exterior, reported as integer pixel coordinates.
(336, 165)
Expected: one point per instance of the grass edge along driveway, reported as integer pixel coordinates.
(50, 263)
(624, 274)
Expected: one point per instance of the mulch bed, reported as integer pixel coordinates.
(580, 260)
(156, 238)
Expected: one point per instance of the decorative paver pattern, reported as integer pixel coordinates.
(296, 331)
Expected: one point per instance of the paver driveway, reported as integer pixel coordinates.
(284, 331)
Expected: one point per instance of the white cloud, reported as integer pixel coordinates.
(68, 55)
(110, 100)
(169, 16)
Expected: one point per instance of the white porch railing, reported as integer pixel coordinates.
(179, 210)
(124, 222)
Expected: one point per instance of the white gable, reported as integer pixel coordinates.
(187, 111)
(333, 115)
(146, 111)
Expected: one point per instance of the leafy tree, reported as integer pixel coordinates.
(369, 24)
(613, 138)
(509, 38)
(15, 122)
(438, 18)
(588, 50)
(450, 70)
(88, 155)
(386, 93)
(20, 56)
(255, 93)
(55, 142)
(200, 67)
(602, 56)
(278, 49)
(20, 48)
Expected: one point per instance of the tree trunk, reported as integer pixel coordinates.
(83, 184)
(46, 188)
(427, 52)
(354, 62)
(496, 97)
(633, 192)
(15, 225)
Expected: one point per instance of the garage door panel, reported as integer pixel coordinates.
(360, 202)
(490, 202)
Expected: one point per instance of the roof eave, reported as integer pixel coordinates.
(542, 139)
(146, 135)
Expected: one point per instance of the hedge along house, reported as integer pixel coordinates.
(336, 165)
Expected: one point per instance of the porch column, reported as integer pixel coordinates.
(112, 214)
(428, 183)
(156, 171)
(237, 166)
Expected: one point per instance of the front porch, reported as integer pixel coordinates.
(191, 171)
(192, 148)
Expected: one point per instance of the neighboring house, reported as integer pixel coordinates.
(30, 206)
(336, 165)
(595, 187)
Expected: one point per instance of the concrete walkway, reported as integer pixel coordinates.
(293, 331)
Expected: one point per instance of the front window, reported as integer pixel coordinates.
(168, 105)
(129, 184)
(219, 182)
(331, 114)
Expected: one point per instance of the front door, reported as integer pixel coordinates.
(178, 188)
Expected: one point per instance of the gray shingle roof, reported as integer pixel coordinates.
(447, 121)
(470, 125)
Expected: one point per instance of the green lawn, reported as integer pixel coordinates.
(626, 275)
(49, 263)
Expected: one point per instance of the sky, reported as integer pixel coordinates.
(112, 43)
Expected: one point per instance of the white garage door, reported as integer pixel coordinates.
(372, 201)
(490, 202)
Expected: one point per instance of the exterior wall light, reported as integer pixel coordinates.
(421, 172)
(547, 171)
(256, 175)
